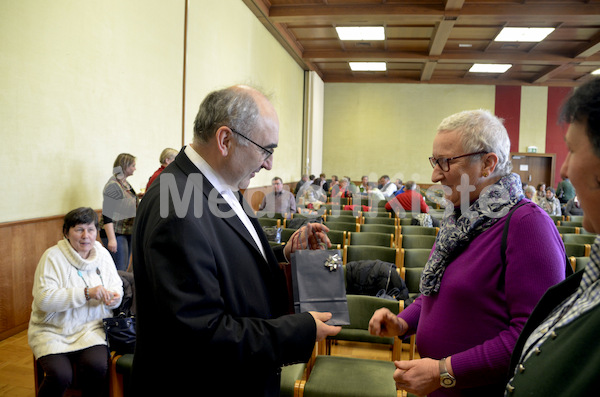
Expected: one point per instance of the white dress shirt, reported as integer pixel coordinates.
(226, 192)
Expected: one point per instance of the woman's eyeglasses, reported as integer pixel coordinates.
(444, 163)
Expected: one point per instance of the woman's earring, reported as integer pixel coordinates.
(485, 174)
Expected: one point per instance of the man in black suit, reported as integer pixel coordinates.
(212, 303)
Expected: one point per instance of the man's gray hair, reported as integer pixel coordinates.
(232, 107)
(481, 131)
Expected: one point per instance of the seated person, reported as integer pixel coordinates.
(573, 207)
(279, 200)
(410, 200)
(75, 286)
(387, 187)
(550, 204)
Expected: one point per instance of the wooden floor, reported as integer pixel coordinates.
(16, 362)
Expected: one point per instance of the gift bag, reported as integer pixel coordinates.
(318, 284)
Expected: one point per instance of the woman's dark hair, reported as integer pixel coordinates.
(584, 107)
(79, 216)
(551, 189)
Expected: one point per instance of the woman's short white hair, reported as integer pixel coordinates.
(481, 131)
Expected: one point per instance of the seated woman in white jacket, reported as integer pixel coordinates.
(76, 285)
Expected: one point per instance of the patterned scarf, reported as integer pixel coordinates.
(458, 230)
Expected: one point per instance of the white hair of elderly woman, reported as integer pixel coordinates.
(480, 130)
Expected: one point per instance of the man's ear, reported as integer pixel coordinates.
(224, 137)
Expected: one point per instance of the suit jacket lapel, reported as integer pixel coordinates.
(230, 217)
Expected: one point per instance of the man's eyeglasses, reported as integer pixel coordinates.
(444, 163)
(267, 153)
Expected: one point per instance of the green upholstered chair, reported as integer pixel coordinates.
(421, 230)
(286, 233)
(575, 218)
(578, 238)
(568, 229)
(371, 238)
(342, 218)
(377, 214)
(361, 309)
(557, 218)
(415, 241)
(269, 222)
(405, 222)
(362, 252)
(573, 249)
(337, 237)
(273, 215)
(379, 220)
(345, 226)
(570, 223)
(336, 212)
(413, 262)
(334, 376)
(579, 262)
(289, 375)
(120, 374)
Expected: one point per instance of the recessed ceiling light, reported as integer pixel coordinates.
(597, 71)
(464, 45)
(361, 33)
(523, 34)
(368, 66)
(490, 67)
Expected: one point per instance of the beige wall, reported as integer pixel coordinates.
(534, 113)
(375, 129)
(82, 81)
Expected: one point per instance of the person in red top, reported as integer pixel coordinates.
(410, 200)
(166, 157)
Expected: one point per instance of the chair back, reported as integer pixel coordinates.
(420, 230)
(269, 222)
(371, 238)
(342, 218)
(579, 238)
(346, 226)
(337, 237)
(575, 218)
(416, 241)
(573, 249)
(362, 307)
(379, 220)
(365, 252)
(568, 229)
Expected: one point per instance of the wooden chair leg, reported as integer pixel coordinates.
(299, 388)
(116, 388)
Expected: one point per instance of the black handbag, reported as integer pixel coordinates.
(120, 333)
(318, 284)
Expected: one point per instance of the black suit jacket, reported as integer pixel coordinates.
(211, 311)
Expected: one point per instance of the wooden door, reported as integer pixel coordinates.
(534, 168)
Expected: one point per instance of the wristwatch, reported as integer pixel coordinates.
(446, 380)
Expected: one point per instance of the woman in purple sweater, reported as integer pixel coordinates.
(473, 306)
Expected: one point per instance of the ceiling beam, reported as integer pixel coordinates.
(399, 12)
(441, 34)
(428, 69)
(589, 49)
(551, 72)
(456, 57)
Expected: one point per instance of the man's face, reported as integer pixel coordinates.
(247, 160)
(277, 186)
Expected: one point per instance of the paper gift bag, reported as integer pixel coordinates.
(318, 284)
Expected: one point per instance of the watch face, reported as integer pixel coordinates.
(448, 382)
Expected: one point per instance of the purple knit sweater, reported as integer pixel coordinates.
(477, 315)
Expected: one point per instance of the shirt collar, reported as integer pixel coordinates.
(213, 177)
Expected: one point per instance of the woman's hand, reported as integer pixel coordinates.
(419, 377)
(112, 246)
(102, 294)
(386, 323)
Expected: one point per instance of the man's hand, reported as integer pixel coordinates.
(311, 236)
(324, 330)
